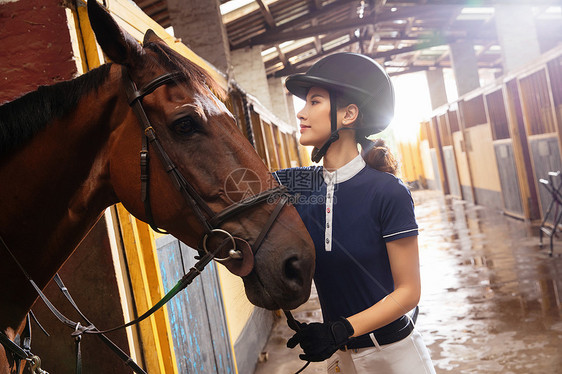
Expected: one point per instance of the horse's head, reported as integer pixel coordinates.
(220, 167)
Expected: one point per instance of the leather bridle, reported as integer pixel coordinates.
(211, 222)
(240, 259)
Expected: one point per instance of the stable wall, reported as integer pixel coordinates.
(36, 46)
(89, 268)
(462, 166)
(428, 171)
(411, 168)
(508, 136)
(482, 158)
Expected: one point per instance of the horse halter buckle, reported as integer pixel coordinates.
(240, 259)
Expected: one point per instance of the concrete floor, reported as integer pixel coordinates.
(491, 298)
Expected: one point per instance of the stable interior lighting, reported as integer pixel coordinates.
(475, 13)
(232, 5)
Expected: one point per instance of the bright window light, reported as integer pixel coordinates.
(268, 51)
(553, 12)
(286, 44)
(232, 5)
(475, 14)
(478, 11)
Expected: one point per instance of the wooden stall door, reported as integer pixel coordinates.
(540, 123)
(508, 177)
(452, 173)
(521, 151)
(197, 317)
(435, 165)
(477, 133)
(505, 158)
(448, 153)
(546, 158)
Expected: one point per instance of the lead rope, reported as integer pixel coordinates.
(294, 325)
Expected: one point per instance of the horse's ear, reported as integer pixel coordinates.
(151, 37)
(115, 42)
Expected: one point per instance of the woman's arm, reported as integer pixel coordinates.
(404, 264)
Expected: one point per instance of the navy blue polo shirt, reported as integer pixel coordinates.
(351, 214)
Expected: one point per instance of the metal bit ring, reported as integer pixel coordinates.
(232, 253)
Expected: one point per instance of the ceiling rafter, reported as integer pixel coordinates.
(302, 20)
(264, 8)
(392, 31)
(280, 36)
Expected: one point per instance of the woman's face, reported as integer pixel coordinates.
(315, 118)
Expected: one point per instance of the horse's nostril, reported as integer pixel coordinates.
(293, 271)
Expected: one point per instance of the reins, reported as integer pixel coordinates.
(240, 251)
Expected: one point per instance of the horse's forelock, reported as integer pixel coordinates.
(173, 61)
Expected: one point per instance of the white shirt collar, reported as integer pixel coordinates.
(346, 172)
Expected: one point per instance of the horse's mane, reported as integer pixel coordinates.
(22, 118)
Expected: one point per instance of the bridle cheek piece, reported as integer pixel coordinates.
(240, 258)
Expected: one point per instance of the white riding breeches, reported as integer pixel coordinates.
(407, 356)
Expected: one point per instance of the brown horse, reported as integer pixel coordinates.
(70, 150)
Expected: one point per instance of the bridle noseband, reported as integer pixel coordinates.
(210, 221)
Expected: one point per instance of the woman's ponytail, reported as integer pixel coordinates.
(378, 156)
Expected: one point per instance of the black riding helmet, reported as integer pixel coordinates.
(356, 77)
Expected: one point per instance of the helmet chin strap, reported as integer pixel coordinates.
(317, 154)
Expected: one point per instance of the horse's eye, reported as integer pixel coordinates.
(185, 126)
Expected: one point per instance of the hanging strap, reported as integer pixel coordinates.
(78, 328)
(145, 184)
(16, 350)
(120, 353)
(91, 329)
(317, 154)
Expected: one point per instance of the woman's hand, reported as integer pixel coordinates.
(319, 341)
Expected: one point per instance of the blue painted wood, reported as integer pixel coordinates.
(198, 322)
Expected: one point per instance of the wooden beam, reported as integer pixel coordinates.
(282, 56)
(264, 8)
(408, 70)
(423, 45)
(293, 68)
(381, 55)
(279, 35)
(317, 43)
(299, 21)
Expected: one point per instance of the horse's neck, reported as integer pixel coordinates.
(52, 192)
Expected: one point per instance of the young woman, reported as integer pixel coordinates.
(361, 219)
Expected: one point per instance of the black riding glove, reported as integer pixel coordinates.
(319, 341)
